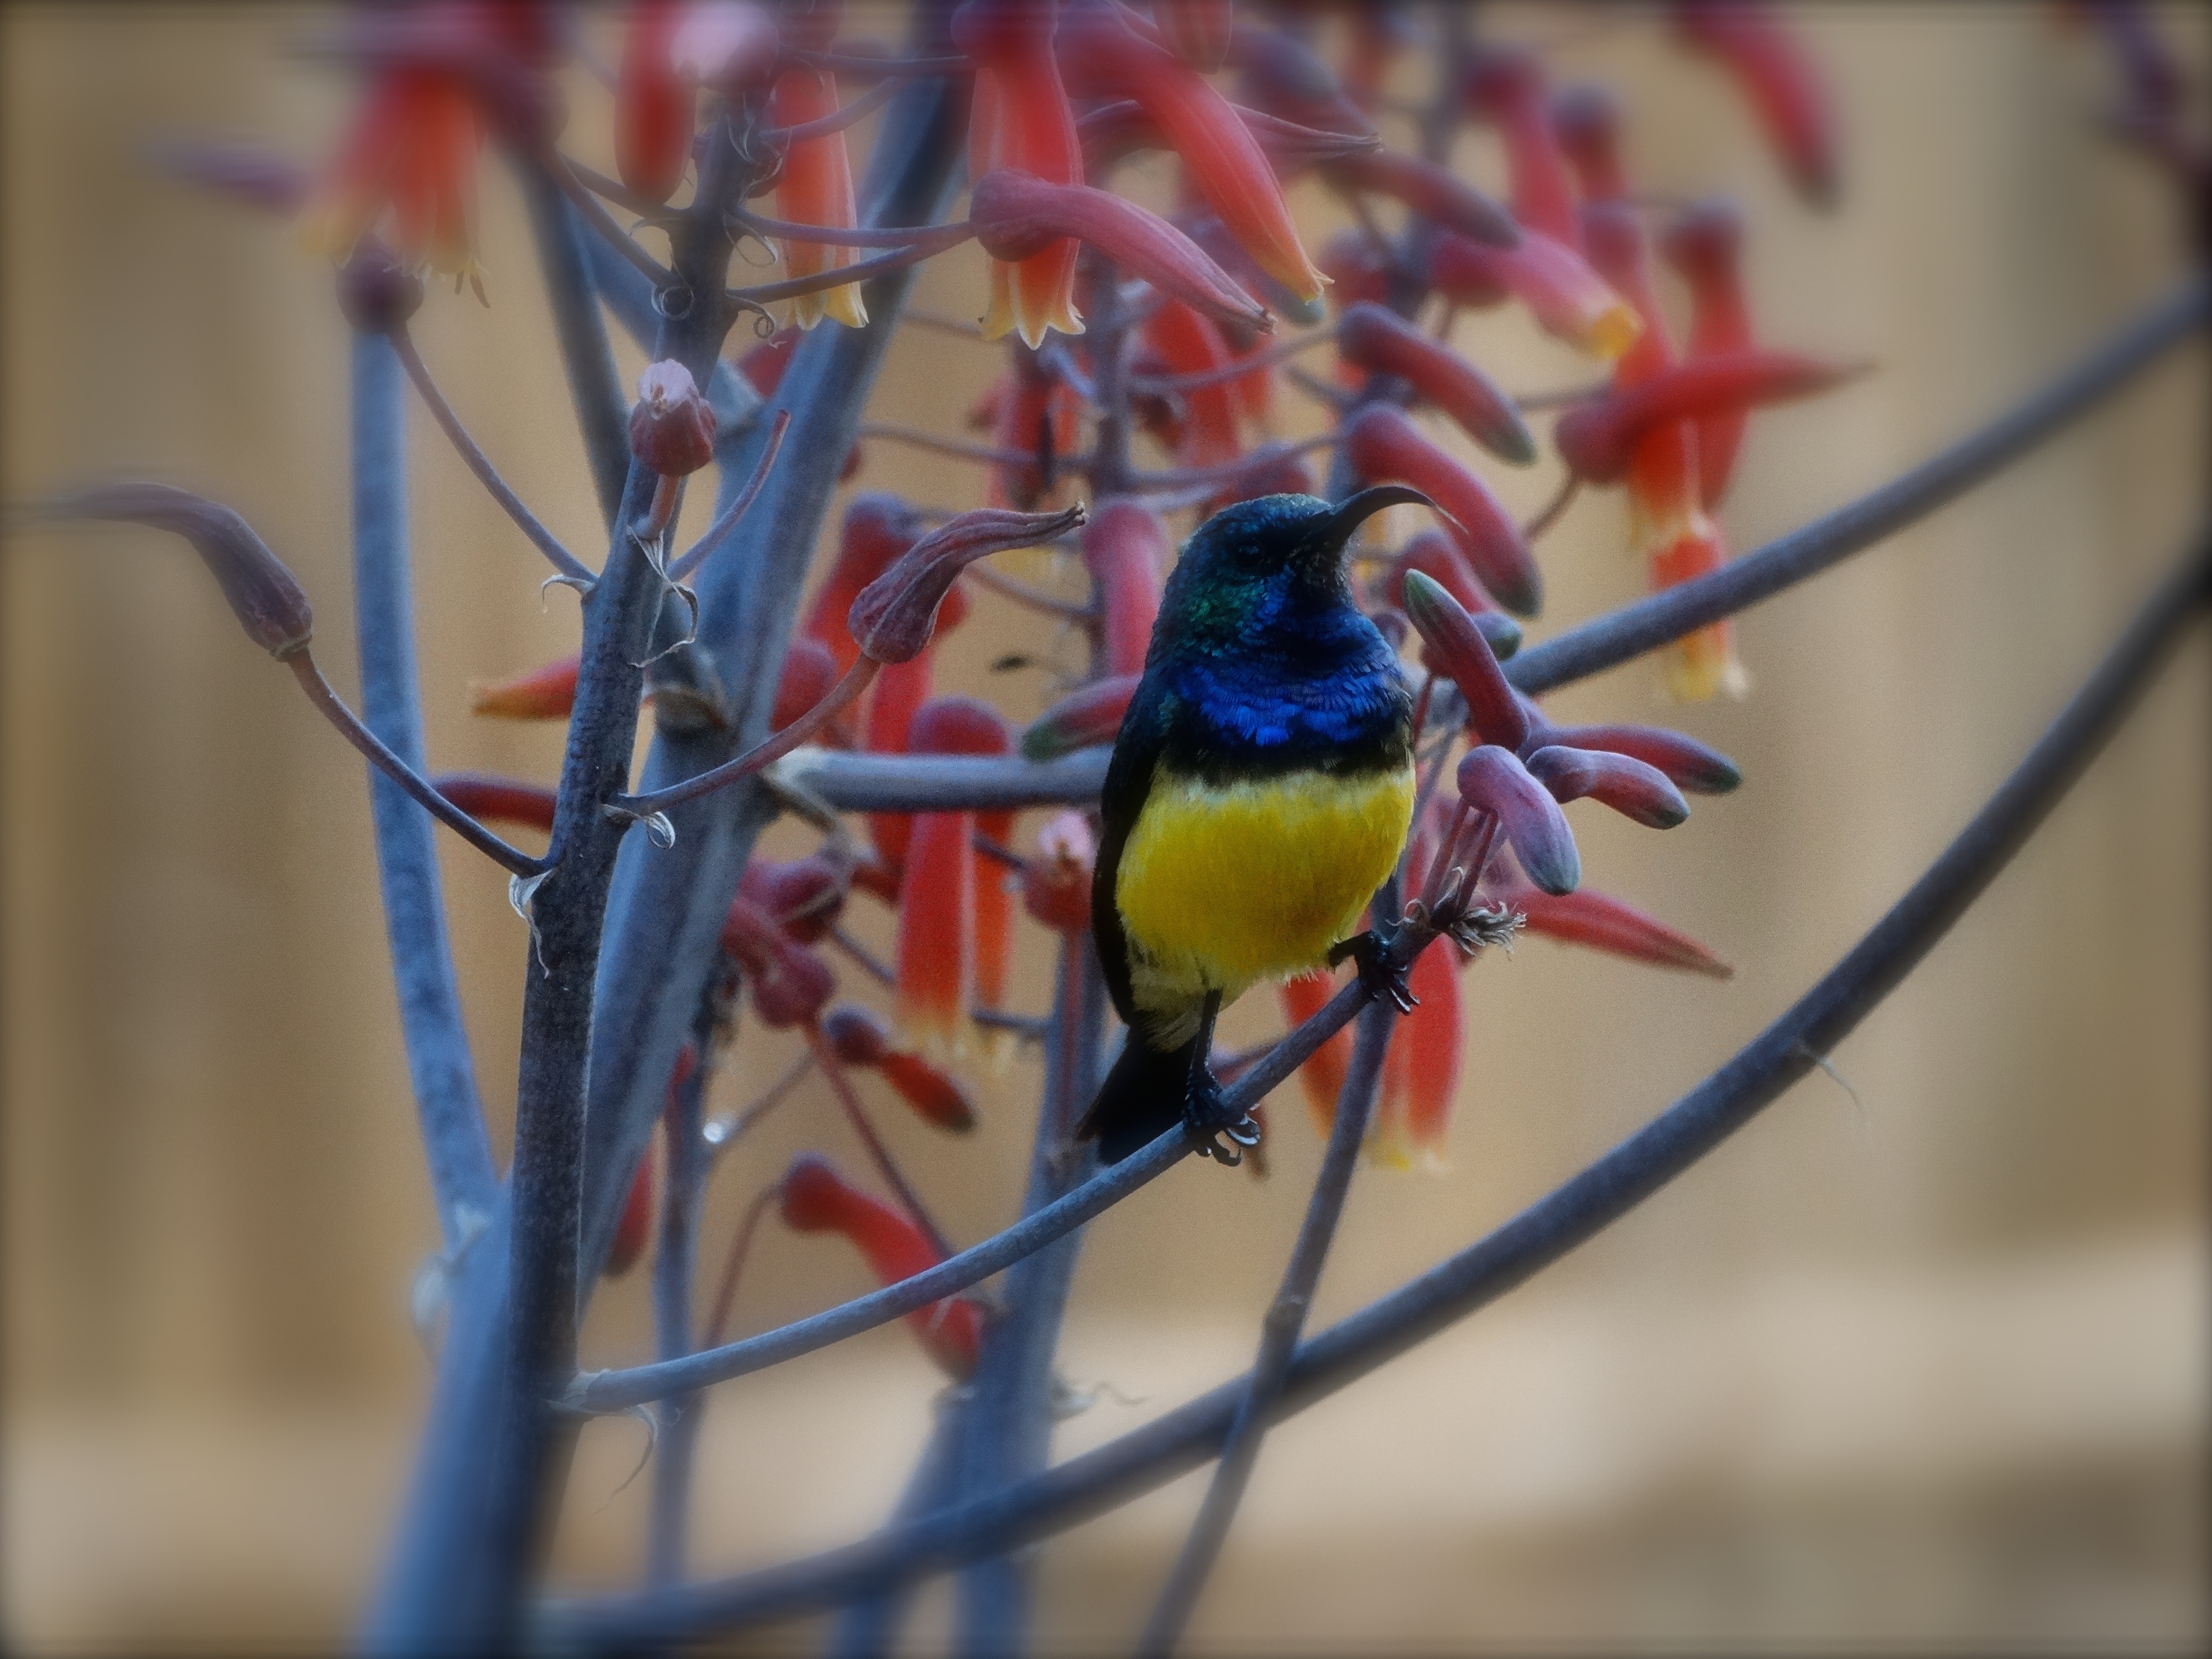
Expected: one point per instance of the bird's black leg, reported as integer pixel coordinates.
(1382, 977)
(1203, 1113)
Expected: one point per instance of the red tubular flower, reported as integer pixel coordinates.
(1256, 389)
(1420, 1069)
(1436, 556)
(1626, 785)
(1189, 345)
(899, 690)
(815, 1199)
(1498, 713)
(1385, 447)
(945, 917)
(1017, 215)
(877, 528)
(817, 184)
(860, 1039)
(1600, 438)
(1020, 120)
(1197, 31)
(1586, 121)
(1092, 715)
(1667, 521)
(652, 104)
(406, 167)
(1492, 779)
(790, 984)
(1431, 192)
(1057, 882)
(635, 1225)
(1380, 340)
(1705, 246)
(1321, 1077)
(804, 897)
(1265, 472)
(495, 799)
(1225, 161)
(1113, 132)
(809, 672)
(1506, 85)
(543, 694)
(1752, 44)
(1603, 922)
(1124, 546)
(1033, 413)
(1569, 299)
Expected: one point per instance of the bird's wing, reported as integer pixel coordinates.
(1128, 781)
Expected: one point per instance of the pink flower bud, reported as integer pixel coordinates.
(1603, 922)
(1056, 884)
(724, 45)
(815, 1199)
(1690, 765)
(877, 528)
(1124, 546)
(789, 983)
(652, 104)
(1586, 121)
(1017, 215)
(1460, 651)
(1092, 715)
(672, 429)
(268, 601)
(1783, 85)
(809, 672)
(1385, 447)
(1431, 192)
(1569, 299)
(1628, 785)
(804, 897)
(543, 694)
(1436, 555)
(1492, 779)
(894, 614)
(1380, 340)
(497, 800)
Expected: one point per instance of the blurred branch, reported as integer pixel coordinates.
(594, 386)
(1570, 1215)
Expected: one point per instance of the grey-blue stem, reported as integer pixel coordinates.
(439, 1063)
(594, 385)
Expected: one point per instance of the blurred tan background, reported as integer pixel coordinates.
(1918, 1361)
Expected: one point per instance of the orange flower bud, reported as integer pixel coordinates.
(860, 1039)
(789, 983)
(1785, 87)
(1385, 447)
(802, 896)
(1188, 343)
(1568, 299)
(1434, 192)
(1056, 885)
(815, 1199)
(543, 694)
(672, 429)
(1506, 85)
(652, 104)
(1586, 121)
(1599, 438)
(809, 672)
(1705, 246)
(954, 924)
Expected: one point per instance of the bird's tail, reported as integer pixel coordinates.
(1141, 1098)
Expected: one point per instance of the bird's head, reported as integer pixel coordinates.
(1284, 542)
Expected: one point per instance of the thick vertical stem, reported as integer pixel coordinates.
(1279, 1336)
(438, 1059)
(594, 385)
(570, 912)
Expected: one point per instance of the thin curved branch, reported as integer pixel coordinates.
(757, 758)
(1570, 1215)
(478, 462)
(1033, 599)
(697, 554)
(924, 244)
(614, 190)
(847, 115)
(1167, 384)
(596, 215)
(332, 707)
(892, 236)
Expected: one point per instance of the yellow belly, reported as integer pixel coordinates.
(1220, 887)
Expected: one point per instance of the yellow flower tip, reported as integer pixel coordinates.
(1703, 668)
(1613, 331)
(1434, 1162)
(1388, 1149)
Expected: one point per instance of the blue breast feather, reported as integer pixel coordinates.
(1330, 684)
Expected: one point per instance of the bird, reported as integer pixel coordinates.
(1259, 793)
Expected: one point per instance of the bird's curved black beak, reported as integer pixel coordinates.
(1337, 530)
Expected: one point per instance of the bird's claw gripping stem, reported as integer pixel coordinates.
(1206, 1119)
(1378, 972)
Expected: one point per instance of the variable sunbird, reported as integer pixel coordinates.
(1259, 793)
